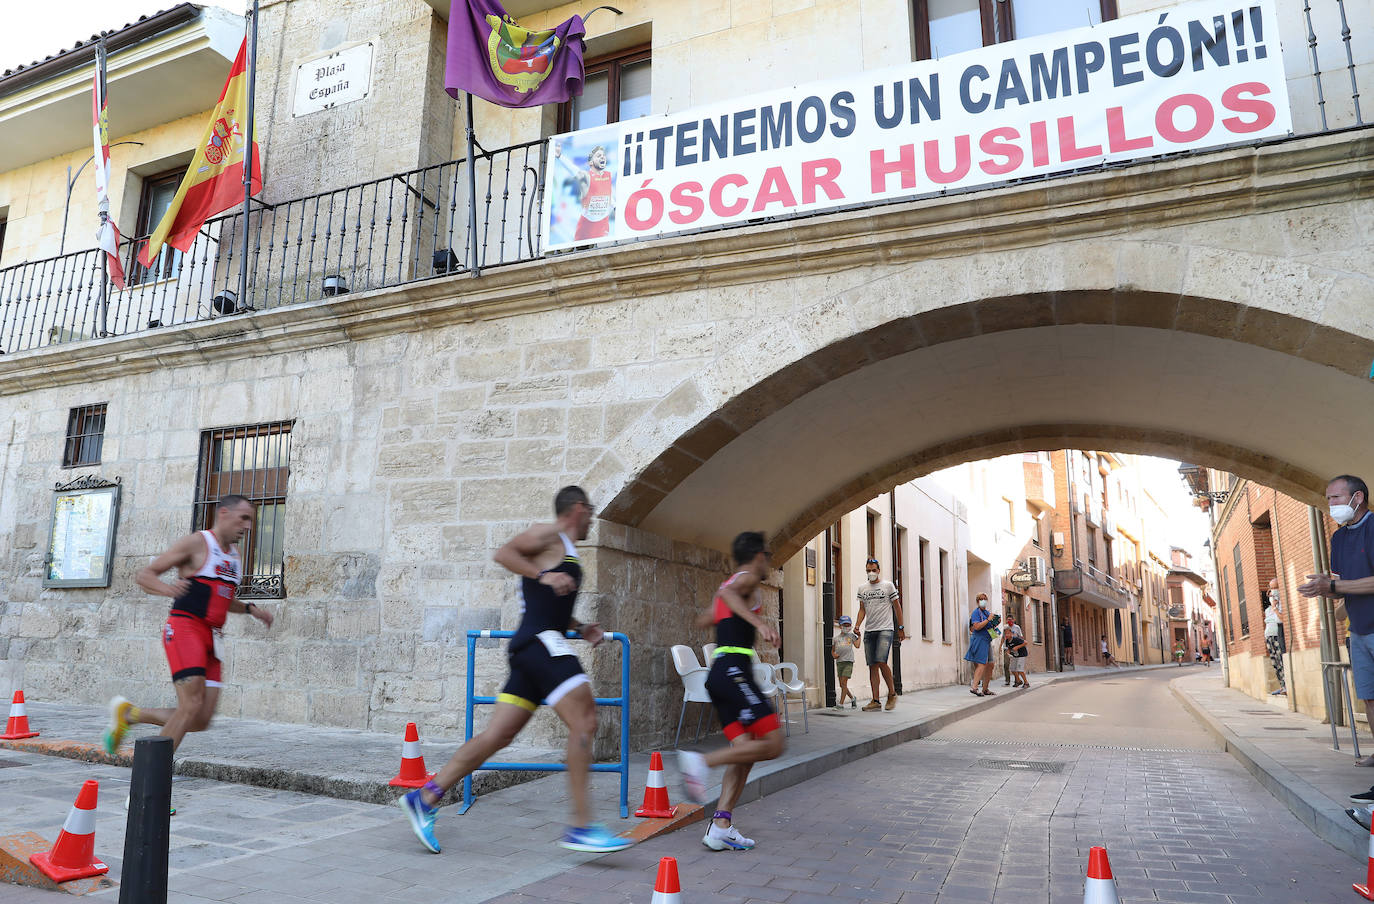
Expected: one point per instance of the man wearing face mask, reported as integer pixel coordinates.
(878, 603)
(1352, 577)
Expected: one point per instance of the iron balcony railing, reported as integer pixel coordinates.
(415, 225)
(388, 232)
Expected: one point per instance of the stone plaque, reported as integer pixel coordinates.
(326, 82)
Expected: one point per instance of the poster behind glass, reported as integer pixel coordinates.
(81, 544)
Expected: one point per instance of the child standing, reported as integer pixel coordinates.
(842, 651)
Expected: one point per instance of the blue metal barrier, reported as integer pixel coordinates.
(623, 701)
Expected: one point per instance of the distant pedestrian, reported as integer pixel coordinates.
(981, 624)
(1016, 649)
(1107, 653)
(1273, 635)
(1066, 637)
(842, 651)
(1352, 577)
(880, 604)
(1207, 651)
(1179, 650)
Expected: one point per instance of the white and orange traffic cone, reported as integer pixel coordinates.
(1366, 890)
(73, 857)
(1099, 887)
(18, 726)
(666, 887)
(412, 774)
(656, 805)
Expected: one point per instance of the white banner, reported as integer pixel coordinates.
(1194, 76)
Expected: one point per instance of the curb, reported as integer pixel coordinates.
(1324, 818)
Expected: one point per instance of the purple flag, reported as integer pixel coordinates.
(495, 59)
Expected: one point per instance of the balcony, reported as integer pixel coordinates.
(1039, 477)
(1090, 584)
(427, 224)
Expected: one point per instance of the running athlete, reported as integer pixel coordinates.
(208, 573)
(595, 186)
(542, 667)
(751, 726)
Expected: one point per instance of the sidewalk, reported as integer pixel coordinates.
(367, 852)
(1290, 754)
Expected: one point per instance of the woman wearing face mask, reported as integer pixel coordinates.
(1273, 635)
(1352, 579)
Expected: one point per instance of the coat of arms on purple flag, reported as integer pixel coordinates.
(489, 55)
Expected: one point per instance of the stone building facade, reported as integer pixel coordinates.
(695, 385)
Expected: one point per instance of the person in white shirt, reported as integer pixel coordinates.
(1273, 635)
(880, 605)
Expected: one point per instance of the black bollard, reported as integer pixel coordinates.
(146, 835)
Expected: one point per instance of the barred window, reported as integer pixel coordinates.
(254, 462)
(85, 436)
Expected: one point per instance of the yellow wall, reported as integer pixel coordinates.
(35, 194)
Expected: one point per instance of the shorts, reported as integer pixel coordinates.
(536, 676)
(1018, 664)
(877, 646)
(189, 643)
(844, 668)
(738, 701)
(1362, 664)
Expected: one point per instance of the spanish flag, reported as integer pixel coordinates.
(214, 180)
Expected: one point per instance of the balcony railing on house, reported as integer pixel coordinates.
(428, 223)
(388, 232)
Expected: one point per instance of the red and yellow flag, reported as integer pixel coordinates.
(214, 180)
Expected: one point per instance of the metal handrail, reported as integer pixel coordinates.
(622, 701)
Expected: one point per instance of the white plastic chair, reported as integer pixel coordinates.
(789, 681)
(693, 677)
(764, 679)
(708, 650)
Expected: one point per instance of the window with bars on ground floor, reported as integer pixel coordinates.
(254, 462)
(85, 436)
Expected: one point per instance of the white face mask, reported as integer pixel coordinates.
(873, 577)
(1343, 514)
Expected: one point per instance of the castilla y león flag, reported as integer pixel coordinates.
(491, 56)
(214, 180)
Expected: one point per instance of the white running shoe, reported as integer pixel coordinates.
(695, 774)
(726, 839)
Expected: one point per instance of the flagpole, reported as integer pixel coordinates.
(248, 154)
(103, 313)
(473, 267)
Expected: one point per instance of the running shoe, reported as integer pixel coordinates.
(594, 839)
(119, 724)
(1364, 797)
(726, 839)
(1361, 815)
(695, 774)
(421, 818)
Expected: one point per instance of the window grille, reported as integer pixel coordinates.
(254, 462)
(85, 436)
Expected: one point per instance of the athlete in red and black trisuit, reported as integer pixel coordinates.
(208, 573)
(542, 667)
(597, 197)
(751, 726)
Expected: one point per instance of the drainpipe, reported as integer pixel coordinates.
(892, 560)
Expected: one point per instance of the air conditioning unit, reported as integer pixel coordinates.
(1035, 567)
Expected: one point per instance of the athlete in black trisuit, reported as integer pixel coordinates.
(542, 667)
(751, 726)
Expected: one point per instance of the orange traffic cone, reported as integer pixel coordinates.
(73, 857)
(666, 887)
(18, 726)
(1100, 887)
(1366, 890)
(656, 804)
(412, 774)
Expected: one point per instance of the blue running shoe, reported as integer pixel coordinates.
(594, 839)
(421, 818)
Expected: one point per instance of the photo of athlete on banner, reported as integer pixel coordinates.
(582, 187)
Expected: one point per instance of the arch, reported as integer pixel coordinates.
(661, 458)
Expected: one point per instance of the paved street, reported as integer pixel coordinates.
(967, 816)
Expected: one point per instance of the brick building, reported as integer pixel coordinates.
(1260, 534)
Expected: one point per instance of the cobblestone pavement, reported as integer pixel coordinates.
(981, 814)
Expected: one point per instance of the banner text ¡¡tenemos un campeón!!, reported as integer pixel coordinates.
(1195, 76)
